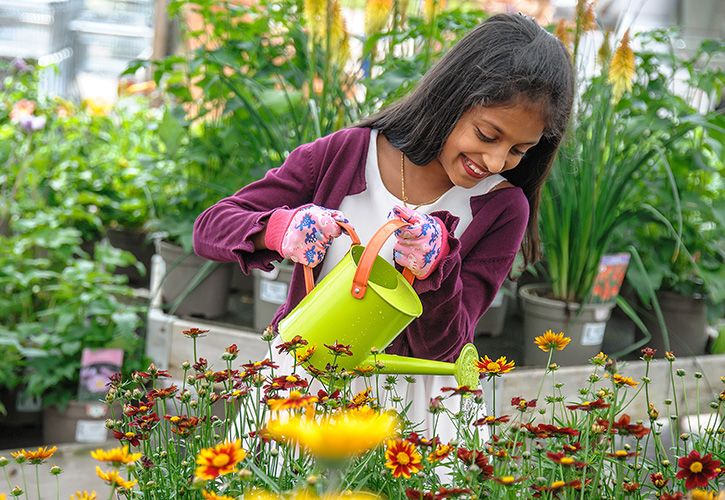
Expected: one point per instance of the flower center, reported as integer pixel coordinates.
(696, 467)
(567, 460)
(291, 378)
(220, 460)
(557, 484)
(403, 458)
(507, 479)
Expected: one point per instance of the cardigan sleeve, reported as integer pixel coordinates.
(223, 232)
(457, 294)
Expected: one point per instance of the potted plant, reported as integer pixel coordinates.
(598, 185)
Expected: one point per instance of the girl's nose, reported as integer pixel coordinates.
(494, 161)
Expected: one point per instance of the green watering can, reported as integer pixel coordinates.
(365, 302)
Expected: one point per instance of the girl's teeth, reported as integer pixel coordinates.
(473, 167)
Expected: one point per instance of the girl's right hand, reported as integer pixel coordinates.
(303, 235)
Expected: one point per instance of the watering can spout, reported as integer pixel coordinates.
(464, 369)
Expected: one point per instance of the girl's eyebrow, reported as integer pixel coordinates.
(498, 129)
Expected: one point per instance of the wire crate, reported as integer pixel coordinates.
(141, 11)
(33, 28)
(105, 48)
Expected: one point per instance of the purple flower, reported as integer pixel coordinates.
(20, 65)
(31, 123)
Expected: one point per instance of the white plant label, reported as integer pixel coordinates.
(91, 431)
(593, 333)
(274, 292)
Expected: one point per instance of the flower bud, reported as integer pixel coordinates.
(553, 367)
(646, 380)
(698, 375)
(670, 356)
(312, 480)
(245, 474)
(55, 470)
(668, 401)
(185, 365)
(17, 491)
(680, 372)
(3, 461)
(684, 436)
(665, 463)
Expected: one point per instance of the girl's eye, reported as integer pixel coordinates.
(518, 152)
(483, 137)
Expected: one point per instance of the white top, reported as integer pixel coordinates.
(368, 211)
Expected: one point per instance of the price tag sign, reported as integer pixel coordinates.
(274, 292)
(593, 333)
(91, 431)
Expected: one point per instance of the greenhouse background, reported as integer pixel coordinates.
(122, 120)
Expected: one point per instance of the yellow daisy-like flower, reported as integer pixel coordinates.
(35, 457)
(362, 397)
(432, 8)
(621, 69)
(621, 380)
(116, 456)
(295, 400)
(494, 368)
(303, 357)
(114, 479)
(210, 495)
(340, 435)
(441, 452)
(219, 460)
(81, 495)
(600, 359)
(402, 458)
(550, 340)
(377, 13)
(698, 494)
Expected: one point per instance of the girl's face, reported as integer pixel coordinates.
(490, 140)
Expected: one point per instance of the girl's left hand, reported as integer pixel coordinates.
(422, 245)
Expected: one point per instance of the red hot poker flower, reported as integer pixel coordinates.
(697, 470)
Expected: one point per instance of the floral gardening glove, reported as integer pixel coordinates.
(303, 235)
(422, 245)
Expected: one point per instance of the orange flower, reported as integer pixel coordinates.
(494, 368)
(402, 458)
(116, 456)
(295, 400)
(621, 380)
(210, 495)
(305, 356)
(113, 478)
(621, 69)
(83, 495)
(550, 340)
(35, 457)
(219, 460)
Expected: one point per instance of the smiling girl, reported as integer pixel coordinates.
(462, 158)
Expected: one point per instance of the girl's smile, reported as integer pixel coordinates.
(490, 140)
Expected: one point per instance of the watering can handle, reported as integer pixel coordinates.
(309, 277)
(367, 259)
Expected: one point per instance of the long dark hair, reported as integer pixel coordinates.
(507, 57)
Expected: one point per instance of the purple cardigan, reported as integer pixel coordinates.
(324, 172)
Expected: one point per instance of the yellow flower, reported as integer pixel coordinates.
(82, 495)
(600, 359)
(402, 458)
(261, 495)
(295, 400)
(499, 367)
(621, 380)
(376, 15)
(116, 456)
(97, 107)
(550, 340)
(698, 494)
(441, 452)
(362, 397)
(210, 495)
(219, 460)
(114, 479)
(35, 457)
(431, 9)
(340, 435)
(621, 69)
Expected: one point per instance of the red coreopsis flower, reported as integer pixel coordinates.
(462, 391)
(491, 420)
(130, 437)
(630, 487)
(259, 365)
(132, 410)
(554, 430)
(624, 427)
(292, 345)
(648, 353)
(521, 404)
(697, 470)
(564, 459)
(659, 480)
(572, 448)
(622, 454)
(194, 333)
(402, 458)
(339, 349)
(672, 496)
(471, 457)
(441, 451)
(284, 382)
(165, 393)
(597, 404)
(417, 440)
(182, 425)
(490, 368)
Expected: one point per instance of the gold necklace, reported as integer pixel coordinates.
(402, 186)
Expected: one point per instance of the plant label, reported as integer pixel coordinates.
(274, 292)
(91, 431)
(593, 333)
